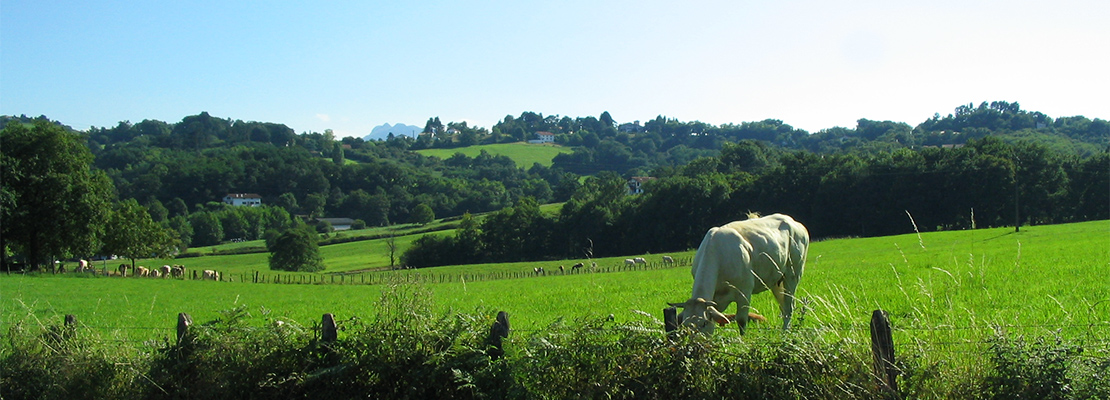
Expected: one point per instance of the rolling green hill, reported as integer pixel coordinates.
(524, 154)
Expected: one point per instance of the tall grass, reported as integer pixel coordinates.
(406, 351)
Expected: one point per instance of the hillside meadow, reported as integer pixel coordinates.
(523, 154)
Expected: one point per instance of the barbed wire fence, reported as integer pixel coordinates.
(1094, 337)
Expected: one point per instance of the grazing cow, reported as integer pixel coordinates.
(639, 260)
(166, 269)
(155, 273)
(178, 271)
(743, 258)
(576, 267)
(123, 270)
(668, 260)
(82, 266)
(141, 271)
(538, 270)
(561, 269)
(629, 261)
(210, 275)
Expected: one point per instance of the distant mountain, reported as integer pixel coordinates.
(382, 131)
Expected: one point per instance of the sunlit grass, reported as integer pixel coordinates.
(523, 154)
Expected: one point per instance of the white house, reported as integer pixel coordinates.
(543, 137)
(243, 199)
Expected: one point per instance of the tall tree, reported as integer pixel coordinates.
(53, 204)
(422, 214)
(131, 233)
(296, 250)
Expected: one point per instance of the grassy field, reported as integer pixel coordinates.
(524, 154)
(953, 288)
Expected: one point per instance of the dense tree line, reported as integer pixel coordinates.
(1003, 162)
(987, 183)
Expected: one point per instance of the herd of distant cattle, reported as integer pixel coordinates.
(593, 266)
(165, 271)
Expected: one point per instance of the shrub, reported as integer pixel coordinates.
(41, 362)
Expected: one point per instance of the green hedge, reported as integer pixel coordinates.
(405, 353)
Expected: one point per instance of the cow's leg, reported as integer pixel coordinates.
(743, 307)
(784, 293)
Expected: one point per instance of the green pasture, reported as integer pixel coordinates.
(338, 258)
(523, 154)
(952, 288)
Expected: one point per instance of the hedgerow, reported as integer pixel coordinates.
(404, 352)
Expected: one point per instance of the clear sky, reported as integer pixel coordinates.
(352, 65)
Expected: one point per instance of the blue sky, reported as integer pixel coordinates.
(350, 66)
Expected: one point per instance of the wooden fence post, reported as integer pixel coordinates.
(183, 323)
(670, 319)
(882, 350)
(497, 332)
(329, 332)
(70, 325)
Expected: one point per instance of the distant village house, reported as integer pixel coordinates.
(635, 184)
(243, 199)
(543, 137)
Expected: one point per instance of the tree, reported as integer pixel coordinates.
(183, 229)
(422, 214)
(207, 230)
(296, 250)
(606, 120)
(131, 233)
(433, 126)
(314, 204)
(177, 207)
(520, 232)
(53, 205)
(391, 244)
(287, 201)
(337, 153)
(324, 227)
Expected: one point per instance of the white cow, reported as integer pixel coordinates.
(743, 258)
(639, 260)
(629, 261)
(668, 260)
(210, 275)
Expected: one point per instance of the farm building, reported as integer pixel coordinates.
(243, 199)
(337, 224)
(543, 137)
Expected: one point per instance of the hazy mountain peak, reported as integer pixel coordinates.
(382, 131)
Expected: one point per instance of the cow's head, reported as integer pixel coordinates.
(700, 314)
